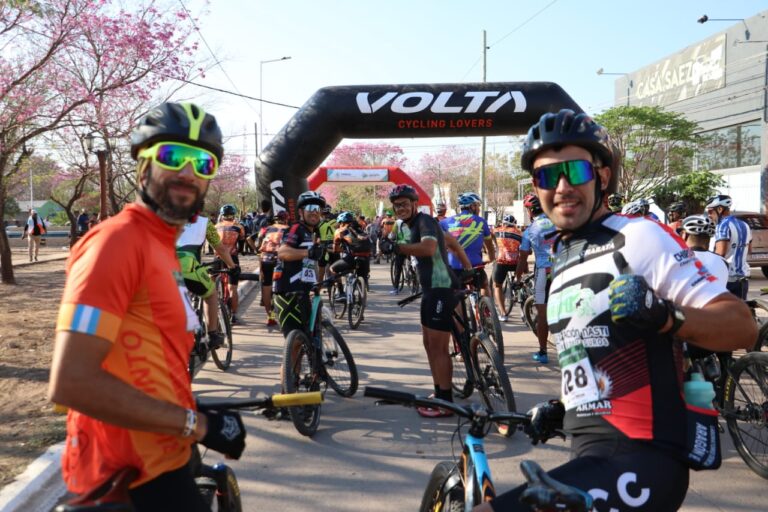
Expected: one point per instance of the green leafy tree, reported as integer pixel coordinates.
(654, 147)
(693, 189)
(11, 207)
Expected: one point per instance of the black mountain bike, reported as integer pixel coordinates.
(476, 364)
(460, 485)
(315, 358)
(217, 484)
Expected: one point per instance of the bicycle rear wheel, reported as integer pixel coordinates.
(435, 498)
(762, 339)
(339, 365)
(746, 410)
(356, 306)
(492, 380)
(299, 377)
(335, 291)
(491, 324)
(508, 292)
(222, 356)
(462, 386)
(396, 273)
(530, 314)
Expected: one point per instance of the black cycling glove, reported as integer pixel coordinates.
(546, 421)
(633, 302)
(226, 433)
(316, 252)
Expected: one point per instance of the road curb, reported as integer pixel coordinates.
(39, 487)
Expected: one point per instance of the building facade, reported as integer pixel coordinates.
(721, 84)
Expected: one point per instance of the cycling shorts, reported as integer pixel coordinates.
(292, 310)
(541, 285)
(232, 280)
(196, 277)
(362, 266)
(739, 287)
(329, 258)
(500, 272)
(265, 274)
(620, 474)
(437, 305)
(174, 490)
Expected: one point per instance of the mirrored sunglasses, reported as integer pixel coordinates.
(311, 207)
(577, 172)
(173, 156)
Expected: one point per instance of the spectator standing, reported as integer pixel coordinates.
(732, 241)
(34, 229)
(82, 222)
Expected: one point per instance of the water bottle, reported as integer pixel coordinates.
(699, 392)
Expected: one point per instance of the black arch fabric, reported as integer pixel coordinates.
(396, 111)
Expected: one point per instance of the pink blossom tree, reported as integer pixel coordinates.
(61, 56)
(230, 184)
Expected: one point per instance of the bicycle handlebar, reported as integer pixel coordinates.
(411, 400)
(277, 400)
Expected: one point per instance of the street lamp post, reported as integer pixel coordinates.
(600, 72)
(261, 100)
(706, 18)
(101, 155)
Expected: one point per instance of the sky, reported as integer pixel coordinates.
(347, 42)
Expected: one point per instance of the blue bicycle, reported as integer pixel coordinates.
(459, 486)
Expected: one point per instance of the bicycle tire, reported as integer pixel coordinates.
(195, 360)
(462, 386)
(508, 293)
(493, 381)
(530, 315)
(434, 499)
(396, 273)
(356, 306)
(762, 339)
(337, 307)
(299, 377)
(340, 367)
(491, 324)
(746, 410)
(225, 324)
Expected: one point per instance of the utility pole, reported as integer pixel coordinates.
(482, 145)
(256, 160)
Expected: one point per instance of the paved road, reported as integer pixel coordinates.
(373, 458)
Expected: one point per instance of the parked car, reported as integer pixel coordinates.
(758, 223)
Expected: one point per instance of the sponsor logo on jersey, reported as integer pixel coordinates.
(592, 336)
(684, 256)
(599, 249)
(573, 301)
(596, 408)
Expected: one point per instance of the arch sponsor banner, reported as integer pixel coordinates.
(396, 111)
(357, 175)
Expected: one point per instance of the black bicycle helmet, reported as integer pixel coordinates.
(615, 200)
(403, 191)
(566, 128)
(509, 220)
(178, 122)
(228, 210)
(309, 197)
(677, 207)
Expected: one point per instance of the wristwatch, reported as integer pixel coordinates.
(678, 318)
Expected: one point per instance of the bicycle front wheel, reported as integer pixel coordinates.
(746, 410)
(356, 306)
(435, 498)
(339, 365)
(299, 376)
(491, 324)
(336, 299)
(222, 355)
(492, 380)
(508, 292)
(530, 314)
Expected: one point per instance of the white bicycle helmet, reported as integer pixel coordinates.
(634, 208)
(719, 200)
(699, 225)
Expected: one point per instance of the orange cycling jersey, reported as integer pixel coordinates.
(230, 232)
(386, 227)
(124, 286)
(508, 240)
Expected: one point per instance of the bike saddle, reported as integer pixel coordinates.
(544, 492)
(111, 496)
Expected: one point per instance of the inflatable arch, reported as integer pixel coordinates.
(369, 176)
(396, 111)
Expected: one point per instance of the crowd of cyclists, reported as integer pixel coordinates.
(615, 288)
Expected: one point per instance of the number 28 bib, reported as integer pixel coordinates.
(579, 385)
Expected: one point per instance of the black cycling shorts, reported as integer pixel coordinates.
(361, 266)
(437, 305)
(500, 272)
(233, 281)
(619, 473)
(174, 490)
(265, 274)
(292, 310)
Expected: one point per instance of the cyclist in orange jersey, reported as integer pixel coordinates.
(508, 239)
(125, 327)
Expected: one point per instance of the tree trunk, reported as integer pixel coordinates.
(6, 263)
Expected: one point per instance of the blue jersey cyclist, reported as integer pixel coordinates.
(472, 232)
(538, 238)
(624, 291)
(732, 241)
(426, 244)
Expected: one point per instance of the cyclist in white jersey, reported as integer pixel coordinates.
(732, 241)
